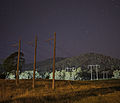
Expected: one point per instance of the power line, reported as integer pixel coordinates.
(61, 49)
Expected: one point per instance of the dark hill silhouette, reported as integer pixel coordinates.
(106, 62)
(43, 66)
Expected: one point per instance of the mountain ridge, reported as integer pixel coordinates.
(83, 60)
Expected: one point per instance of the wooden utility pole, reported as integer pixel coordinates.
(34, 63)
(53, 81)
(17, 73)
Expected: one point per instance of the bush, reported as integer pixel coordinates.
(2, 76)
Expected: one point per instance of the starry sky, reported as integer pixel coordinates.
(81, 26)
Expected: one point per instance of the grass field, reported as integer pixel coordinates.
(102, 91)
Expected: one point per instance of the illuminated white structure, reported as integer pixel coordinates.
(91, 67)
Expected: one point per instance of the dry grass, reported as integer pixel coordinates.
(108, 98)
(106, 91)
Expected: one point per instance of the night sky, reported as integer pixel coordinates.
(81, 26)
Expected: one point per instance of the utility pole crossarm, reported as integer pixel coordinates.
(14, 45)
(49, 39)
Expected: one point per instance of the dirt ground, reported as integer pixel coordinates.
(99, 91)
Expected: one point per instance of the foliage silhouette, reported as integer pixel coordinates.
(10, 63)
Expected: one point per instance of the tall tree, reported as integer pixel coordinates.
(10, 63)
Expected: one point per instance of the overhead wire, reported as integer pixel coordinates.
(61, 49)
(41, 49)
